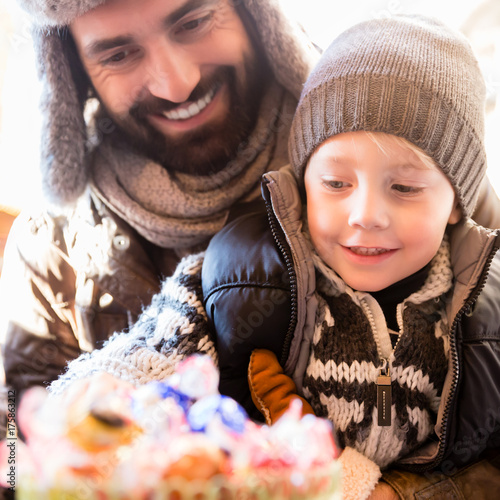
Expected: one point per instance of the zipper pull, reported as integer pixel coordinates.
(384, 397)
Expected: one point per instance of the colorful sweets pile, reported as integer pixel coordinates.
(174, 440)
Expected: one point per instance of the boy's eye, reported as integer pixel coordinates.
(401, 188)
(331, 184)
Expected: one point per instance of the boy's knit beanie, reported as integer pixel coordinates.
(64, 151)
(409, 76)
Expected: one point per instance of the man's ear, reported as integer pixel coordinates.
(456, 213)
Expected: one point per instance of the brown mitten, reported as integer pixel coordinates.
(272, 391)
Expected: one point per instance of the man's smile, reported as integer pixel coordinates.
(192, 115)
(189, 109)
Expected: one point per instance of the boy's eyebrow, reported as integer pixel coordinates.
(340, 158)
(98, 46)
(420, 167)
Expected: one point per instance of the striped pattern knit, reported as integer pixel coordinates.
(347, 356)
(173, 327)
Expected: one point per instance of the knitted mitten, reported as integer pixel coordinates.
(272, 391)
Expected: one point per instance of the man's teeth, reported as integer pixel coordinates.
(192, 110)
(368, 251)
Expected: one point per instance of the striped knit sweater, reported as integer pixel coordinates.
(173, 327)
(351, 345)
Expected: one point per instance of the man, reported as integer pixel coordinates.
(194, 102)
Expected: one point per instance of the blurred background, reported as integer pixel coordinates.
(323, 20)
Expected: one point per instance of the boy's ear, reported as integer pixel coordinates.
(456, 213)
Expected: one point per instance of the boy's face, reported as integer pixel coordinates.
(375, 217)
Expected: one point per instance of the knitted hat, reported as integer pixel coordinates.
(64, 154)
(409, 76)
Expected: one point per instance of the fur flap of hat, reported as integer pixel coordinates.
(288, 49)
(63, 156)
(57, 12)
(63, 161)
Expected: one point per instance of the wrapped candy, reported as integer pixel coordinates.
(217, 408)
(196, 377)
(103, 424)
(160, 410)
(175, 439)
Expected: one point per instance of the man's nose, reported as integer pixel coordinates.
(172, 74)
(368, 210)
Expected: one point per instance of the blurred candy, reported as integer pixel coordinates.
(304, 440)
(195, 457)
(159, 407)
(223, 408)
(115, 438)
(105, 424)
(196, 377)
(38, 417)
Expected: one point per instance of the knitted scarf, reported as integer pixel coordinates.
(350, 346)
(180, 211)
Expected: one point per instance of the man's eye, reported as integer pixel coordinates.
(118, 57)
(194, 24)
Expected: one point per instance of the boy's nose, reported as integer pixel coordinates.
(368, 211)
(172, 75)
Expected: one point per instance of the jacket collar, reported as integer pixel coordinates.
(471, 248)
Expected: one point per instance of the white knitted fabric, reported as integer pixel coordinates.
(173, 327)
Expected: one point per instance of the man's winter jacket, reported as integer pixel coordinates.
(84, 278)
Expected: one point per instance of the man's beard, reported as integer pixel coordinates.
(211, 146)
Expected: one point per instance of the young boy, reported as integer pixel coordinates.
(376, 303)
(394, 336)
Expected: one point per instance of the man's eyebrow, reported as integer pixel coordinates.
(95, 48)
(184, 9)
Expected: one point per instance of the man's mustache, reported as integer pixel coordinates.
(149, 104)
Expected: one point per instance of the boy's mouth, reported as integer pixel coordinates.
(368, 251)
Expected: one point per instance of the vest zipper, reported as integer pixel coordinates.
(451, 401)
(280, 239)
(383, 382)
